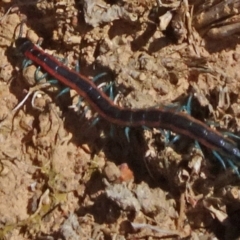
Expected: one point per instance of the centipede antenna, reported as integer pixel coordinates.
(21, 29)
(219, 158)
(31, 90)
(8, 11)
(20, 25)
(126, 131)
(22, 102)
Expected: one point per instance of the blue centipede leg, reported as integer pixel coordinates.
(64, 60)
(111, 96)
(233, 166)
(187, 107)
(77, 69)
(92, 124)
(109, 88)
(219, 158)
(232, 135)
(65, 90)
(99, 76)
(95, 121)
(38, 77)
(197, 145)
(175, 139)
(166, 135)
(26, 63)
(53, 81)
(80, 99)
(83, 114)
(77, 66)
(126, 131)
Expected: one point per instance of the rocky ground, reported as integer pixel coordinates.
(62, 177)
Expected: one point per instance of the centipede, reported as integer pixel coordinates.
(165, 118)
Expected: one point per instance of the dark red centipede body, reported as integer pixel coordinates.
(177, 122)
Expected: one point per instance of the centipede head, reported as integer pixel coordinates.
(23, 44)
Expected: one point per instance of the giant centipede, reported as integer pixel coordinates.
(165, 118)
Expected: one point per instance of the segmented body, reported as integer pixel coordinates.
(178, 122)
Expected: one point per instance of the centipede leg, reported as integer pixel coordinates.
(187, 108)
(95, 121)
(64, 91)
(167, 134)
(175, 139)
(39, 78)
(126, 131)
(231, 135)
(53, 81)
(146, 128)
(197, 145)
(220, 159)
(83, 114)
(111, 91)
(26, 63)
(233, 166)
(99, 76)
